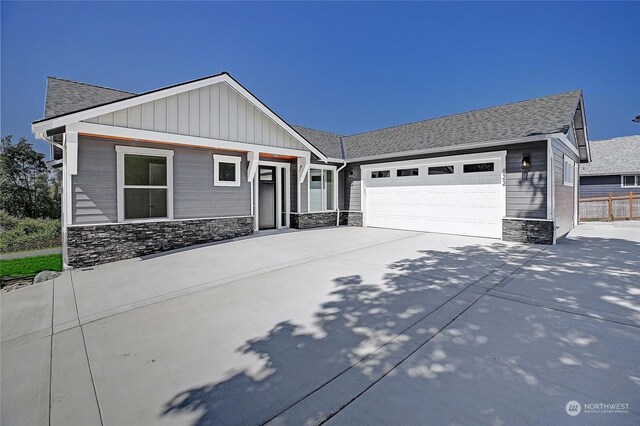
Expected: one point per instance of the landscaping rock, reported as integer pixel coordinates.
(45, 276)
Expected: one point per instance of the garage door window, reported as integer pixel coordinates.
(407, 172)
(441, 170)
(478, 167)
(380, 174)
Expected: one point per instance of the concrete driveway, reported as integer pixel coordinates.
(345, 325)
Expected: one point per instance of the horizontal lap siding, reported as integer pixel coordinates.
(594, 186)
(527, 193)
(564, 195)
(95, 187)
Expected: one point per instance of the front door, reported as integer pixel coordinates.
(267, 197)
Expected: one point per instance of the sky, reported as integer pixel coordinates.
(340, 67)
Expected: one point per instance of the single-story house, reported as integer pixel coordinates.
(207, 160)
(615, 168)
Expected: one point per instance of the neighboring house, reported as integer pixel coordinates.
(615, 168)
(206, 160)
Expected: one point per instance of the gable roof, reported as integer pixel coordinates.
(329, 143)
(66, 96)
(613, 157)
(535, 117)
(48, 123)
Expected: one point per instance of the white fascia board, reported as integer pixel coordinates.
(92, 129)
(141, 99)
(486, 144)
(493, 155)
(125, 103)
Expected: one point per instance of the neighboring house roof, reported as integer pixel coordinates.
(535, 117)
(327, 142)
(613, 157)
(541, 116)
(66, 96)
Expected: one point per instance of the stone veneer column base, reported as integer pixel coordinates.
(350, 218)
(535, 231)
(312, 220)
(96, 244)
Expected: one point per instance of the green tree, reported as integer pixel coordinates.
(27, 189)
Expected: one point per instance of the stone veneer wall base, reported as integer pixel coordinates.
(532, 231)
(96, 244)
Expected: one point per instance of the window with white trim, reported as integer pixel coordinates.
(145, 183)
(226, 170)
(568, 171)
(321, 190)
(630, 181)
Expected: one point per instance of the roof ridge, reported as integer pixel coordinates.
(465, 112)
(614, 138)
(90, 85)
(317, 130)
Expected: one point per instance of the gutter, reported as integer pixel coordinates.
(338, 182)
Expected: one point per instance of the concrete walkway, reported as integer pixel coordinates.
(346, 325)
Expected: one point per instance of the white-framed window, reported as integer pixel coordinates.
(322, 189)
(568, 171)
(145, 183)
(630, 181)
(226, 170)
(380, 174)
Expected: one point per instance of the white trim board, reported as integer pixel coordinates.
(92, 129)
(121, 151)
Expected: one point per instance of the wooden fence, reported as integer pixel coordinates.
(610, 207)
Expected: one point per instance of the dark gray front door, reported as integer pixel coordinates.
(266, 197)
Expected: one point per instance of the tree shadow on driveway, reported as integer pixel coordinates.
(494, 354)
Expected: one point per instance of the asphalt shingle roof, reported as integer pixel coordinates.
(549, 114)
(326, 142)
(613, 157)
(66, 96)
(540, 116)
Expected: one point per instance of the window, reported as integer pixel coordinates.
(630, 181)
(440, 170)
(145, 183)
(407, 172)
(478, 167)
(568, 171)
(380, 174)
(321, 190)
(226, 170)
(266, 175)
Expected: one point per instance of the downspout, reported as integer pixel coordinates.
(338, 182)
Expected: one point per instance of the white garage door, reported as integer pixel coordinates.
(452, 195)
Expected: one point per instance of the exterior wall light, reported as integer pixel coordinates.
(526, 162)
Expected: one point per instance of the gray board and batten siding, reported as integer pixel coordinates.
(217, 111)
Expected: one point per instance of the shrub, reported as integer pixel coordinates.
(28, 234)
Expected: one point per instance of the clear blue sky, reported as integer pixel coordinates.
(342, 67)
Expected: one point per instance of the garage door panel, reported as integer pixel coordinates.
(460, 203)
